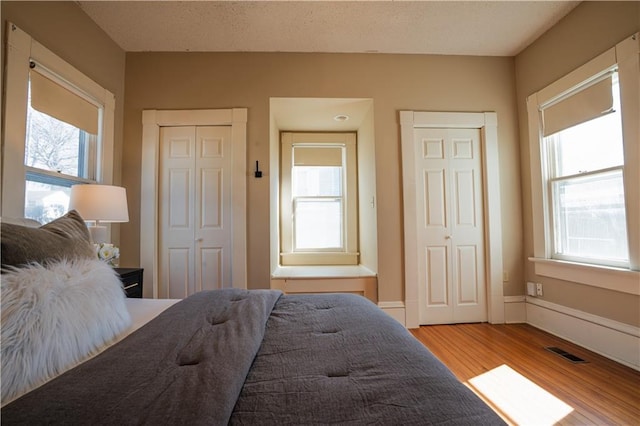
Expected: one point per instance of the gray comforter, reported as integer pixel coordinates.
(259, 357)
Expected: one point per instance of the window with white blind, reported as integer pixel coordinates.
(60, 145)
(585, 169)
(58, 130)
(585, 163)
(318, 214)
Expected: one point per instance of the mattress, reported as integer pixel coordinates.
(144, 310)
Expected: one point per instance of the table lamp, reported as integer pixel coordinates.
(99, 204)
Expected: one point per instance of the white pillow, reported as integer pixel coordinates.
(54, 317)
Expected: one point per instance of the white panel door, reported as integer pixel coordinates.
(194, 210)
(213, 208)
(450, 226)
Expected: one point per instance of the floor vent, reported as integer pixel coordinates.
(566, 355)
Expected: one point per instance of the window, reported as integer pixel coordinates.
(585, 151)
(60, 143)
(58, 130)
(585, 175)
(318, 188)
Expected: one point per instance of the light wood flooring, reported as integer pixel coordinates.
(509, 367)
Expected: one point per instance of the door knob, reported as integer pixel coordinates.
(447, 237)
(198, 240)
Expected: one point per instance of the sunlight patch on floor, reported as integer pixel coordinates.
(518, 398)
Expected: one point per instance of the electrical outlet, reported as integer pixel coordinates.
(531, 289)
(539, 289)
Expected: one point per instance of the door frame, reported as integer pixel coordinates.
(487, 122)
(152, 120)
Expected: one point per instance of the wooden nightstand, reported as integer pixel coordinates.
(131, 280)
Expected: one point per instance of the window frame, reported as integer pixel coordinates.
(554, 203)
(289, 255)
(553, 177)
(624, 57)
(21, 50)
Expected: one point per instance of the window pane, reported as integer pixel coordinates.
(318, 224)
(593, 145)
(45, 202)
(317, 181)
(590, 217)
(55, 145)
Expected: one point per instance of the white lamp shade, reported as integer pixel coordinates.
(102, 203)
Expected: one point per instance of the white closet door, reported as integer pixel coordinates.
(213, 231)
(450, 226)
(194, 210)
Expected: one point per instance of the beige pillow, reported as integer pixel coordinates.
(64, 238)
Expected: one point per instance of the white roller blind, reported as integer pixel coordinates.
(317, 156)
(579, 107)
(53, 99)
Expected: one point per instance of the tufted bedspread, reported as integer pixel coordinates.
(259, 357)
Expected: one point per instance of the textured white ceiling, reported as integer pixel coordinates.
(500, 28)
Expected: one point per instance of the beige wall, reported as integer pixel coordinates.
(68, 32)
(587, 31)
(394, 82)
(223, 80)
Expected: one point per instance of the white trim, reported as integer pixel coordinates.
(628, 57)
(15, 115)
(488, 125)
(322, 271)
(585, 316)
(104, 166)
(395, 310)
(611, 278)
(152, 120)
(540, 221)
(612, 339)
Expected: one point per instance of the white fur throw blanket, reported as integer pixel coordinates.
(54, 317)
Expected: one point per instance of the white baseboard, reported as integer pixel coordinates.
(617, 341)
(515, 310)
(395, 310)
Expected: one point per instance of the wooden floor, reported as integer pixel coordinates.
(509, 367)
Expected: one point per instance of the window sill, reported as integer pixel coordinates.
(610, 278)
(355, 271)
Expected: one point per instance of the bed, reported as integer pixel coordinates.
(218, 357)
